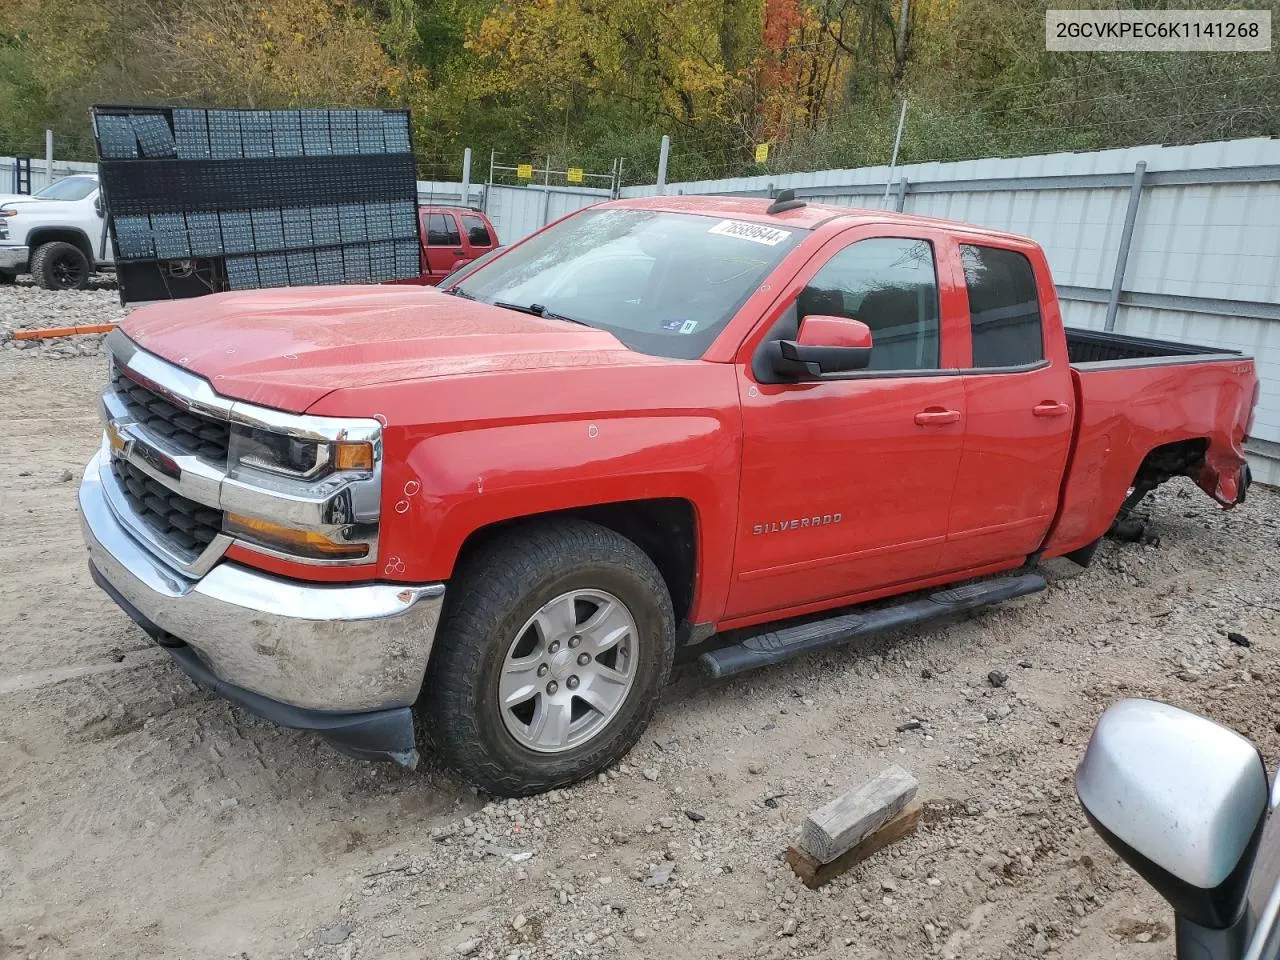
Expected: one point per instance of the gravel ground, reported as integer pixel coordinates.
(141, 817)
(24, 306)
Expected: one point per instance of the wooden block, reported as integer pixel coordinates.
(831, 830)
(815, 874)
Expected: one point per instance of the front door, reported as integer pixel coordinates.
(846, 483)
(443, 251)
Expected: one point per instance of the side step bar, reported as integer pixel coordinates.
(778, 645)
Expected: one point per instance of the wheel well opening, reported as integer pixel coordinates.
(52, 234)
(665, 529)
(1170, 460)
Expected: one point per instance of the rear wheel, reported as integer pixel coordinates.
(60, 266)
(556, 643)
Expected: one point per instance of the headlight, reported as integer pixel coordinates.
(8, 212)
(299, 459)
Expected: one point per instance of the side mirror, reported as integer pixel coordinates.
(823, 345)
(1183, 801)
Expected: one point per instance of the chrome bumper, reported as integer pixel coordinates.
(13, 258)
(317, 647)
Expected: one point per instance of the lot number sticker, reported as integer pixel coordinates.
(755, 232)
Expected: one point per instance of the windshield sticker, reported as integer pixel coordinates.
(755, 232)
(679, 325)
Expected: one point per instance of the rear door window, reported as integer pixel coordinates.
(1004, 307)
(477, 232)
(442, 231)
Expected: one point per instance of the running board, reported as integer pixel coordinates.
(778, 645)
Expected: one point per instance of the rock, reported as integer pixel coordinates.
(888, 886)
(1025, 664)
(788, 927)
(651, 773)
(909, 725)
(466, 948)
(926, 674)
(666, 823)
(694, 815)
(519, 921)
(755, 767)
(66, 476)
(997, 678)
(661, 873)
(639, 935)
(1040, 945)
(1239, 639)
(335, 935)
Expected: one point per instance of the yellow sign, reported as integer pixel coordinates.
(762, 152)
(524, 171)
(575, 175)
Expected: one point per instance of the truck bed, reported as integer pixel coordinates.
(1097, 348)
(1136, 396)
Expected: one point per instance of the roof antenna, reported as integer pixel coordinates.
(785, 200)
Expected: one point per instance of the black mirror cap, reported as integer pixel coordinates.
(796, 361)
(1218, 908)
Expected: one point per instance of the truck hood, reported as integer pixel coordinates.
(287, 348)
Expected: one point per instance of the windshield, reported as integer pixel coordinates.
(662, 283)
(68, 188)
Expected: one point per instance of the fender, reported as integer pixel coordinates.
(578, 443)
(75, 235)
(1128, 412)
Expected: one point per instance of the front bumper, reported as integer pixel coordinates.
(321, 657)
(13, 258)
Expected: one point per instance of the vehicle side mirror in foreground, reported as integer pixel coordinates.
(823, 345)
(1183, 801)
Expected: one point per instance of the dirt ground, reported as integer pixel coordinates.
(141, 817)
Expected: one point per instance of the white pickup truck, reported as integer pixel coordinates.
(57, 234)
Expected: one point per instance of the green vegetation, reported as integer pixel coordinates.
(586, 81)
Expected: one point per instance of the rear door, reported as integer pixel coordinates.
(443, 240)
(1020, 406)
(846, 483)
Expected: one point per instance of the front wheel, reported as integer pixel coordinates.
(60, 266)
(554, 649)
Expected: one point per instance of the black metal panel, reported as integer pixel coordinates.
(206, 200)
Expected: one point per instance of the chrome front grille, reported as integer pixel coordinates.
(198, 435)
(167, 475)
(183, 524)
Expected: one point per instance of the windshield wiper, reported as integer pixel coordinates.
(459, 292)
(538, 310)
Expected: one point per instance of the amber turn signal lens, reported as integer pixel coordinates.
(303, 543)
(353, 456)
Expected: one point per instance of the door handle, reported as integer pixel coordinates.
(936, 417)
(459, 252)
(1051, 408)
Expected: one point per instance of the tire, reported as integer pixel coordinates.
(489, 619)
(60, 266)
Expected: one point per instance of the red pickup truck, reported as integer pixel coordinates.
(500, 506)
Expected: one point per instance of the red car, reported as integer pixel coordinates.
(452, 237)
(499, 507)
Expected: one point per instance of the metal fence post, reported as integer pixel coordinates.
(900, 195)
(546, 197)
(48, 157)
(466, 177)
(663, 152)
(1126, 239)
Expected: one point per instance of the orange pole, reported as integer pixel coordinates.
(50, 332)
